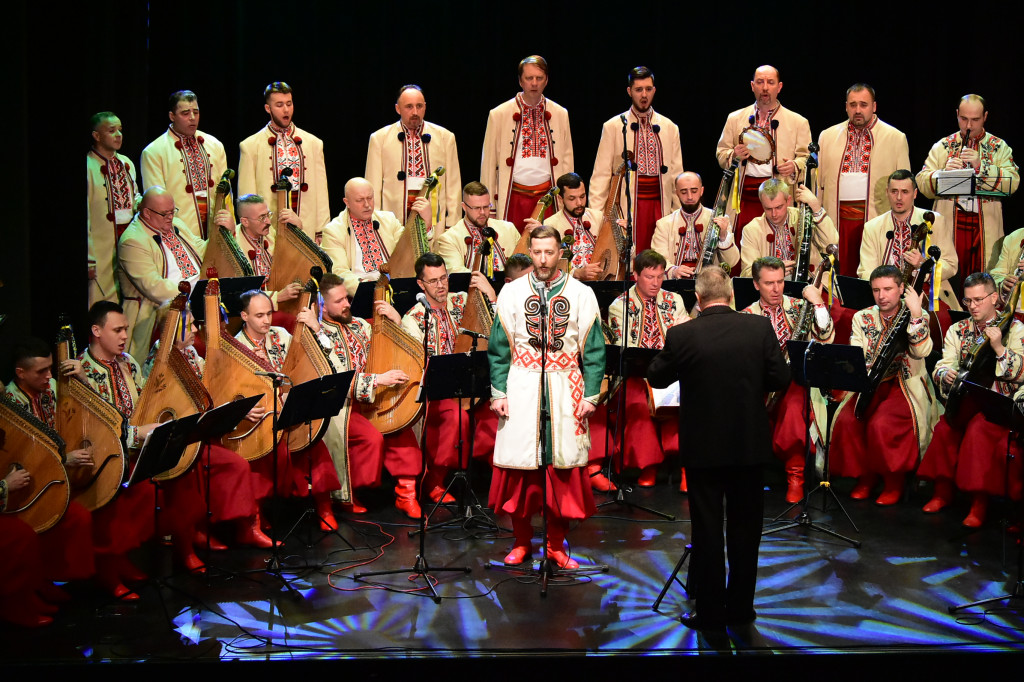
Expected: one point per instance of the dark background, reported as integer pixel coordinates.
(345, 64)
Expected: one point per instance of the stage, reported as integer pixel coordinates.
(815, 594)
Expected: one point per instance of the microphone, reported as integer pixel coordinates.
(775, 124)
(751, 120)
(421, 298)
(470, 332)
(376, 226)
(623, 119)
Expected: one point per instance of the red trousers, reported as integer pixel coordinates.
(228, 476)
(66, 549)
(750, 208)
(851, 234)
(522, 202)
(789, 435)
(974, 457)
(443, 428)
(297, 475)
(402, 455)
(884, 443)
(365, 452)
(520, 493)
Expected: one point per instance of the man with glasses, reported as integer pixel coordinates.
(157, 251)
(255, 239)
(442, 329)
(972, 453)
(460, 244)
(886, 238)
(361, 238)
(186, 161)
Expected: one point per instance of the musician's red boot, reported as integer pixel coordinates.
(892, 490)
(979, 509)
(522, 550)
(598, 481)
(251, 534)
(202, 538)
(434, 484)
(864, 485)
(682, 480)
(353, 506)
(555, 547)
(326, 512)
(405, 497)
(648, 477)
(941, 498)
(795, 479)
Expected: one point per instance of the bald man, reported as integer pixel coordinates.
(403, 154)
(361, 238)
(679, 237)
(157, 251)
(789, 130)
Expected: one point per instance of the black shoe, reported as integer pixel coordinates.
(695, 622)
(739, 621)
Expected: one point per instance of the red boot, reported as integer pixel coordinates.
(598, 481)
(405, 497)
(522, 550)
(433, 482)
(353, 506)
(326, 513)
(942, 497)
(251, 534)
(794, 479)
(979, 509)
(892, 490)
(202, 538)
(555, 546)
(682, 480)
(864, 485)
(648, 477)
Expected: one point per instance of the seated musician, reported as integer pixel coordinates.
(776, 232)
(898, 423)
(1010, 262)
(651, 312)
(127, 521)
(255, 238)
(66, 548)
(442, 422)
(517, 265)
(23, 600)
(361, 238)
(458, 246)
(582, 223)
(680, 235)
(789, 433)
(357, 448)
(156, 252)
(312, 470)
(232, 499)
(973, 456)
(888, 238)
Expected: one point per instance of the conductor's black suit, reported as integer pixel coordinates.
(726, 362)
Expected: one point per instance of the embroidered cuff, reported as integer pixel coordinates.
(819, 215)
(496, 394)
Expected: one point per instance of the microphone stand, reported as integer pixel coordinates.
(421, 568)
(274, 563)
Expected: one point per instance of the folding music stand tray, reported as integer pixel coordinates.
(1003, 411)
(461, 375)
(321, 398)
(231, 290)
(634, 362)
(827, 367)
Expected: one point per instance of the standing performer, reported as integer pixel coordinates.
(854, 159)
(657, 155)
(459, 245)
(977, 220)
(531, 457)
(789, 131)
(575, 219)
(361, 238)
(679, 237)
(974, 456)
(185, 161)
(526, 146)
(887, 239)
(776, 232)
(403, 154)
(445, 320)
(157, 253)
(280, 145)
(112, 194)
(789, 433)
(725, 363)
(897, 425)
(652, 312)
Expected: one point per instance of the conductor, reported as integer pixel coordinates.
(725, 363)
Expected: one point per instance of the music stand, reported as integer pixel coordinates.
(231, 290)
(633, 363)
(321, 398)
(403, 296)
(856, 292)
(458, 376)
(1003, 411)
(827, 367)
(686, 288)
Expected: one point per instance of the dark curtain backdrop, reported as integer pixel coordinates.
(345, 63)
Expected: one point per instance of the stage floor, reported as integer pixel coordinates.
(815, 593)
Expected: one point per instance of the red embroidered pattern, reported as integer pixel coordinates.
(356, 349)
(650, 333)
(900, 242)
(370, 244)
(534, 129)
(182, 257)
(415, 161)
(497, 253)
(582, 243)
(690, 244)
(119, 185)
(259, 257)
(287, 155)
(857, 156)
(530, 359)
(782, 243)
(778, 319)
(576, 393)
(197, 162)
(122, 395)
(647, 146)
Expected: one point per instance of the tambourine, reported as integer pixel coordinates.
(760, 145)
